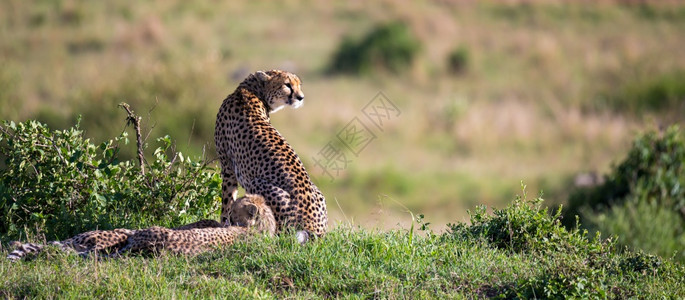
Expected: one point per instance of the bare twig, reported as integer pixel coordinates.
(149, 117)
(135, 120)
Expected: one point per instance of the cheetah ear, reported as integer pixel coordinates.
(252, 210)
(262, 76)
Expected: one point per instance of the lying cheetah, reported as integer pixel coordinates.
(108, 241)
(250, 212)
(255, 155)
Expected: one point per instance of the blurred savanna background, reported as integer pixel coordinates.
(490, 94)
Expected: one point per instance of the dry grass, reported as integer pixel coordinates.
(523, 110)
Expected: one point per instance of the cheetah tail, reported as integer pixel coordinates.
(24, 250)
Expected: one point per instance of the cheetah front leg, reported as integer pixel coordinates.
(229, 188)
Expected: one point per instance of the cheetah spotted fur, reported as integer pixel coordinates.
(250, 211)
(255, 155)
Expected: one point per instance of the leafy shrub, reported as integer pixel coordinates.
(56, 182)
(389, 47)
(640, 262)
(570, 266)
(457, 61)
(570, 278)
(643, 198)
(522, 227)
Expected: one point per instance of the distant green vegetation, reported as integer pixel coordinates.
(642, 200)
(58, 183)
(658, 93)
(387, 47)
(518, 252)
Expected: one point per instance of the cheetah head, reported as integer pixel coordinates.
(251, 211)
(281, 88)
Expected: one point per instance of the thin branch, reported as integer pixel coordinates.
(135, 120)
(6, 131)
(149, 117)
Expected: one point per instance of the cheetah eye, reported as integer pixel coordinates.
(290, 87)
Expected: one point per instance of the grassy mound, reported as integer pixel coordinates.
(520, 251)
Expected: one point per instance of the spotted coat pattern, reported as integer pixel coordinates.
(256, 156)
(251, 211)
(95, 241)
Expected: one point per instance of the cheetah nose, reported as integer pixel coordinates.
(300, 97)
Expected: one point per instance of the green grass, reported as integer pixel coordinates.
(468, 261)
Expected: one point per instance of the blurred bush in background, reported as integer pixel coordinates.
(642, 200)
(387, 47)
(458, 60)
(664, 91)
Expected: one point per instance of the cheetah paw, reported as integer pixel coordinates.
(302, 237)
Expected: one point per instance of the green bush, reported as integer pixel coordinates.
(643, 198)
(524, 226)
(57, 183)
(390, 47)
(579, 266)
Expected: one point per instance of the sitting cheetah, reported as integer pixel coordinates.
(95, 241)
(250, 211)
(255, 155)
